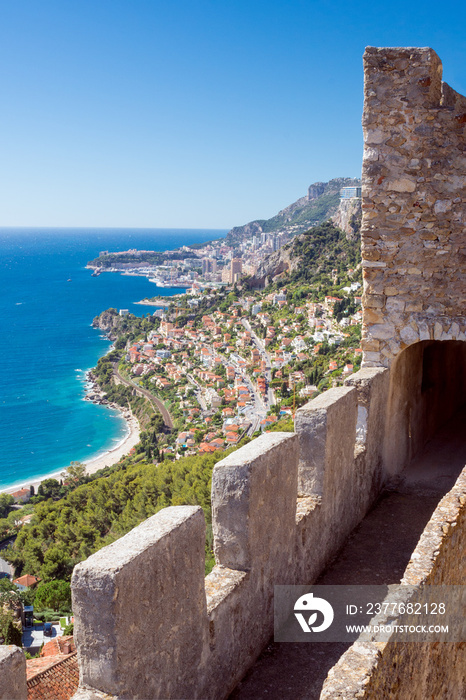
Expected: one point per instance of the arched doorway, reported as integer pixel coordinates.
(427, 389)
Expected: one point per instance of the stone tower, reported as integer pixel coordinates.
(413, 202)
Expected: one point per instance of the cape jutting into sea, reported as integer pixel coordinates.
(48, 302)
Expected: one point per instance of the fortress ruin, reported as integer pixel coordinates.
(284, 504)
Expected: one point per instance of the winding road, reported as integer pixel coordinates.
(167, 419)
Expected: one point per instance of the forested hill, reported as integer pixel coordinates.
(319, 205)
(309, 256)
(137, 258)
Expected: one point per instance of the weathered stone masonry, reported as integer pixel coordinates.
(414, 203)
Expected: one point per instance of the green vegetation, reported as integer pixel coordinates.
(321, 251)
(54, 594)
(6, 501)
(10, 632)
(138, 258)
(78, 514)
(91, 516)
(10, 606)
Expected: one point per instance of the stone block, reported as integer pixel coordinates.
(382, 331)
(140, 608)
(374, 301)
(254, 503)
(391, 291)
(442, 205)
(373, 316)
(12, 673)
(327, 431)
(409, 335)
(438, 330)
(402, 185)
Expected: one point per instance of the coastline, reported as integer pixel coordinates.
(106, 459)
(148, 302)
(96, 395)
(63, 266)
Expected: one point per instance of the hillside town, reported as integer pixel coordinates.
(215, 265)
(232, 373)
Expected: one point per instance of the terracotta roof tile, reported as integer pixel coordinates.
(26, 580)
(55, 679)
(59, 645)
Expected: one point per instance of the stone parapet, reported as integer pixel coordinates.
(413, 202)
(140, 608)
(148, 624)
(12, 673)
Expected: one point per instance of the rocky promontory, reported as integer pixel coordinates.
(109, 322)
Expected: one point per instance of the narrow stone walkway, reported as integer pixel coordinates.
(376, 552)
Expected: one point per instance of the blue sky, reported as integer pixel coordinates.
(151, 113)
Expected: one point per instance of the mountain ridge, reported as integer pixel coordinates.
(320, 204)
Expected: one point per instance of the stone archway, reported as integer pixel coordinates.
(427, 387)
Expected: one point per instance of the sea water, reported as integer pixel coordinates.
(47, 303)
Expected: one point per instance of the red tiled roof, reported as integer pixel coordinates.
(27, 580)
(59, 645)
(52, 678)
(21, 492)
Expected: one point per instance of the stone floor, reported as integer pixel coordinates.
(376, 552)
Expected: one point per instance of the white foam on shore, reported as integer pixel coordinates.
(99, 460)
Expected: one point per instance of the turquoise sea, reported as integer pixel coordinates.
(47, 304)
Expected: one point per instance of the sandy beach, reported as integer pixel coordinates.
(93, 465)
(113, 456)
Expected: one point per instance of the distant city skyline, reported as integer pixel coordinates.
(200, 115)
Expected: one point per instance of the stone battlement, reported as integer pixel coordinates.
(149, 624)
(280, 511)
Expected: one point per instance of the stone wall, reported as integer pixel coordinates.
(12, 673)
(414, 671)
(148, 624)
(414, 203)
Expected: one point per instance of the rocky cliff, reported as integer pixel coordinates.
(321, 202)
(109, 322)
(319, 249)
(348, 217)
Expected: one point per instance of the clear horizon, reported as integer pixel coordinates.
(193, 115)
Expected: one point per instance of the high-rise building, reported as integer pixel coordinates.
(236, 268)
(350, 192)
(209, 265)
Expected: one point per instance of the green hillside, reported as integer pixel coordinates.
(318, 206)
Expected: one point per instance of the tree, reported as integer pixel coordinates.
(54, 594)
(74, 474)
(9, 632)
(6, 585)
(6, 501)
(49, 488)
(10, 617)
(57, 563)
